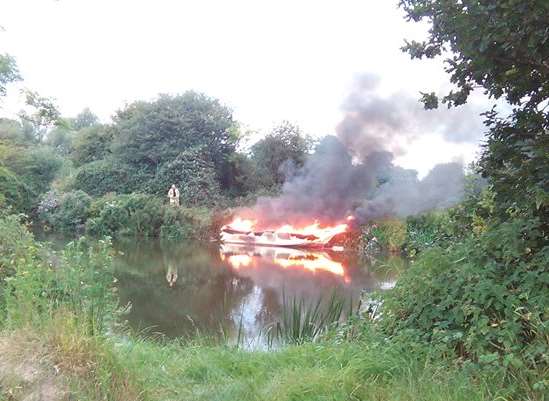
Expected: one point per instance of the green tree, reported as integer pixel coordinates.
(35, 167)
(282, 150)
(91, 143)
(484, 294)
(8, 72)
(149, 134)
(193, 174)
(109, 175)
(503, 48)
(84, 119)
(44, 115)
(241, 175)
(13, 193)
(11, 130)
(61, 139)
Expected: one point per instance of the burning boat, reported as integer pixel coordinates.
(241, 231)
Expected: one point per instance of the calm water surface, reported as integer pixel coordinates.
(218, 288)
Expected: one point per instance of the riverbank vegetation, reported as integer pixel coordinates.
(63, 304)
(468, 320)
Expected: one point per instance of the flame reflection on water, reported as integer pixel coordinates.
(238, 256)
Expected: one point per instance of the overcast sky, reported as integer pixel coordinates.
(268, 60)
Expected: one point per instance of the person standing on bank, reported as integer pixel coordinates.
(173, 194)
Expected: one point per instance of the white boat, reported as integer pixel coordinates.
(273, 238)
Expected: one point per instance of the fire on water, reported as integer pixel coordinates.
(316, 235)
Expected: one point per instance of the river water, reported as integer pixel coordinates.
(181, 289)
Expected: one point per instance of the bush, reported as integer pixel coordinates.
(136, 215)
(193, 175)
(67, 213)
(36, 167)
(427, 230)
(104, 176)
(390, 234)
(141, 215)
(91, 144)
(484, 299)
(13, 192)
(41, 283)
(467, 219)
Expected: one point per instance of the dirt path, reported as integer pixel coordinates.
(26, 373)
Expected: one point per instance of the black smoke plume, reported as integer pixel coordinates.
(353, 173)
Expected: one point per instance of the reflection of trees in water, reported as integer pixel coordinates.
(202, 298)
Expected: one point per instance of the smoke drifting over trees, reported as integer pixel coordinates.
(353, 172)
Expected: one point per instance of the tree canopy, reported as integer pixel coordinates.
(503, 48)
(284, 149)
(154, 133)
(8, 72)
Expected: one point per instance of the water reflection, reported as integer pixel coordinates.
(255, 257)
(178, 289)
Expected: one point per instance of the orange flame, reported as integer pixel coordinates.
(241, 224)
(323, 233)
(312, 263)
(238, 261)
(238, 257)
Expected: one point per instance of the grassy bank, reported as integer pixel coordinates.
(60, 320)
(105, 368)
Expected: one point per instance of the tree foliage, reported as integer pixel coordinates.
(85, 119)
(13, 192)
(44, 115)
(108, 175)
(8, 72)
(153, 133)
(193, 174)
(34, 166)
(503, 48)
(70, 212)
(482, 292)
(282, 151)
(91, 143)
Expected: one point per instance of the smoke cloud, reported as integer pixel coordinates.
(353, 172)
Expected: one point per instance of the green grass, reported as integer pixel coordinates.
(303, 321)
(322, 371)
(66, 308)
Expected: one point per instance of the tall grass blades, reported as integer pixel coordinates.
(303, 321)
(39, 282)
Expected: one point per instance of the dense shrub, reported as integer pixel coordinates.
(193, 175)
(13, 192)
(485, 298)
(390, 234)
(468, 218)
(14, 240)
(427, 230)
(103, 176)
(35, 166)
(186, 223)
(144, 215)
(135, 214)
(91, 144)
(42, 283)
(67, 213)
